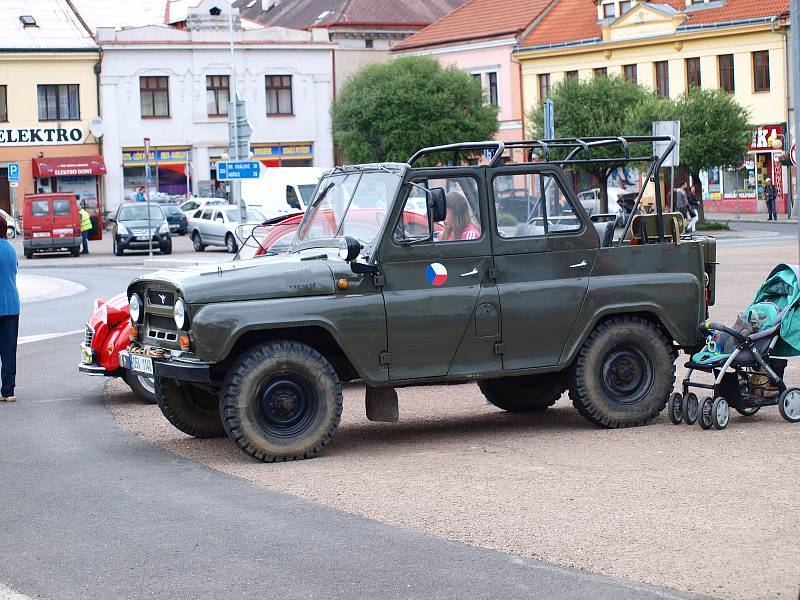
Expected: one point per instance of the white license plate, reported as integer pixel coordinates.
(41, 234)
(67, 231)
(141, 364)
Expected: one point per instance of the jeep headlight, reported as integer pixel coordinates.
(179, 313)
(135, 304)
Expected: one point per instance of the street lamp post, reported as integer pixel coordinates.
(794, 15)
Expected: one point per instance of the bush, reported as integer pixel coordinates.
(712, 226)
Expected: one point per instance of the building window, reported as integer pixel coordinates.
(59, 103)
(572, 75)
(726, 78)
(279, 95)
(662, 79)
(3, 104)
(608, 11)
(494, 99)
(368, 43)
(692, 73)
(217, 94)
(601, 72)
(761, 71)
(624, 6)
(630, 73)
(544, 86)
(154, 96)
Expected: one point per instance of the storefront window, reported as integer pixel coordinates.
(740, 183)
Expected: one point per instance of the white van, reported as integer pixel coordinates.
(281, 190)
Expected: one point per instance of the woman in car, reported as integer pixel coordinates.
(458, 224)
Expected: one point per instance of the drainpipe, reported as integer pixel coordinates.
(790, 209)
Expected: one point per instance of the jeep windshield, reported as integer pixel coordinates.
(352, 202)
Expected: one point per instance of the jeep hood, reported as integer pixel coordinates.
(258, 278)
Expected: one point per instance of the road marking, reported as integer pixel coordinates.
(29, 339)
(9, 594)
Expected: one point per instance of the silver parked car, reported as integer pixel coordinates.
(221, 226)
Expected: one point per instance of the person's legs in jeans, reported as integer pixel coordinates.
(9, 329)
(85, 240)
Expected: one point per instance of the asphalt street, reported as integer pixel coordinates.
(91, 511)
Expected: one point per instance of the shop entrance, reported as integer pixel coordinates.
(5, 191)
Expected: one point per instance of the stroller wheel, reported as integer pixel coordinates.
(704, 417)
(748, 411)
(676, 408)
(690, 408)
(720, 413)
(789, 405)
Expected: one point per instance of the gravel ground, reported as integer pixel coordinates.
(704, 512)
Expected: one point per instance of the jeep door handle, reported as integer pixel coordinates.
(472, 273)
(580, 265)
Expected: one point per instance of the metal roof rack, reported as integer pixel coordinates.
(457, 149)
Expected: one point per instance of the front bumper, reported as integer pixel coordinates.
(141, 242)
(93, 370)
(170, 368)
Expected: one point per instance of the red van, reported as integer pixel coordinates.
(50, 223)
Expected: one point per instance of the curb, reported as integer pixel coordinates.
(26, 267)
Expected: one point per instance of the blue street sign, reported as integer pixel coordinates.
(13, 172)
(245, 169)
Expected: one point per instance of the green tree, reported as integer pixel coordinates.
(386, 112)
(714, 132)
(597, 107)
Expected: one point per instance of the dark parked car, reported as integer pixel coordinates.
(131, 229)
(178, 223)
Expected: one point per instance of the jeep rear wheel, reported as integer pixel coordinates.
(281, 401)
(623, 374)
(193, 410)
(533, 393)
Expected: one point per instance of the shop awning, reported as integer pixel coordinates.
(69, 166)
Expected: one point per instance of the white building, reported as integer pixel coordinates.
(172, 85)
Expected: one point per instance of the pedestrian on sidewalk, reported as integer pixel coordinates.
(694, 208)
(770, 194)
(139, 195)
(682, 201)
(9, 315)
(86, 227)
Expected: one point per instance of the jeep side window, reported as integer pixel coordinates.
(463, 220)
(532, 205)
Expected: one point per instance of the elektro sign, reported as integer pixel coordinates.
(40, 136)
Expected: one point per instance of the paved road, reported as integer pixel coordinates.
(90, 511)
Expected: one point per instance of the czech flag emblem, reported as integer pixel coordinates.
(437, 274)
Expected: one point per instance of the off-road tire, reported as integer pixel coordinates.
(192, 410)
(281, 401)
(230, 244)
(197, 242)
(601, 373)
(533, 393)
(142, 392)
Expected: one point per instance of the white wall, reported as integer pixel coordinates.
(187, 65)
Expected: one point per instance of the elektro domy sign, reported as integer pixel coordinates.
(37, 136)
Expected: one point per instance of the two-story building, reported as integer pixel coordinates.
(48, 100)
(479, 38)
(172, 84)
(739, 46)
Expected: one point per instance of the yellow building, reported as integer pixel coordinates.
(48, 100)
(736, 45)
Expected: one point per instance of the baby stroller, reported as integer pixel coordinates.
(746, 359)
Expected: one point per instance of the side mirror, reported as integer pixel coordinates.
(437, 205)
(349, 248)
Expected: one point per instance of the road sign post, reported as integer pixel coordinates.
(147, 193)
(238, 170)
(13, 182)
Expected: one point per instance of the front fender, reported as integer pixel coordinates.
(357, 323)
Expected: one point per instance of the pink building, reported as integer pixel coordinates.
(479, 38)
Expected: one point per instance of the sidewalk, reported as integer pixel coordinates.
(747, 218)
(101, 255)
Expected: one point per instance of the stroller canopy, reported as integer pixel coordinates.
(782, 288)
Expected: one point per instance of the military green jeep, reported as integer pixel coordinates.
(405, 274)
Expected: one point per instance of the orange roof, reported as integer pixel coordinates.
(572, 21)
(478, 19)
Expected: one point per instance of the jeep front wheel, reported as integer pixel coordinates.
(191, 409)
(624, 373)
(281, 401)
(533, 393)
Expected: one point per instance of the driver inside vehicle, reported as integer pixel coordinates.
(458, 224)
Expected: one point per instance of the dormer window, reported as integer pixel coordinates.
(624, 7)
(27, 21)
(608, 10)
(215, 11)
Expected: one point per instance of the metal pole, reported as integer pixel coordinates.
(14, 212)
(236, 195)
(188, 186)
(147, 195)
(795, 15)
